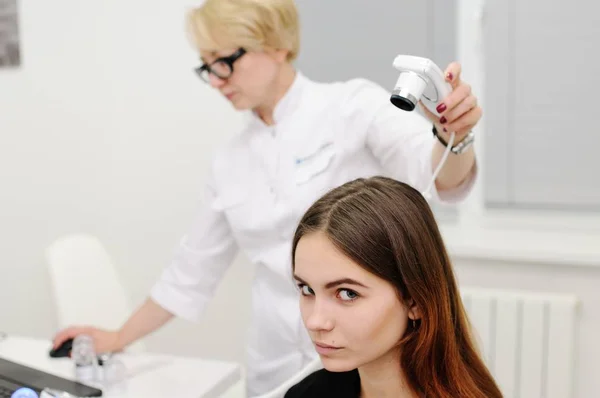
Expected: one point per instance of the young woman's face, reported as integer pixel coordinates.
(345, 307)
(252, 80)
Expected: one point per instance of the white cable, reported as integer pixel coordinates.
(427, 193)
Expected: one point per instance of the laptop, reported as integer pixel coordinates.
(14, 376)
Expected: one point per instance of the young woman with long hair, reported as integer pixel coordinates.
(380, 300)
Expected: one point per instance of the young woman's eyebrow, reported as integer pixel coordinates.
(335, 283)
(343, 281)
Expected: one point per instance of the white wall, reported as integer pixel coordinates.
(105, 129)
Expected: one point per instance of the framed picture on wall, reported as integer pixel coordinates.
(10, 53)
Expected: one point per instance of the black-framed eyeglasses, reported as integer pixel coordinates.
(220, 67)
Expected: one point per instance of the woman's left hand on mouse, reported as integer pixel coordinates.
(104, 340)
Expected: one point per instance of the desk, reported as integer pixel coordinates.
(148, 375)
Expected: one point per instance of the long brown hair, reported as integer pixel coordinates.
(388, 228)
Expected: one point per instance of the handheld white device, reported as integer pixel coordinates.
(421, 80)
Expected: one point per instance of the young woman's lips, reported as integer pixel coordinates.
(325, 349)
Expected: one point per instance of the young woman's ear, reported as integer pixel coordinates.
(413, 310)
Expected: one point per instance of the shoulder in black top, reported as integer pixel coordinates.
(323, 383)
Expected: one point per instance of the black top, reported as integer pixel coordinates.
(323, 383)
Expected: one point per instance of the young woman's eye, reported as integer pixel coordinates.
(348, 295)
(305, 290)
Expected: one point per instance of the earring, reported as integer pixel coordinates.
(414, 324)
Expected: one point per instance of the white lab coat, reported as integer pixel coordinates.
(259, 186)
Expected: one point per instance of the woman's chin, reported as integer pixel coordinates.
(338, 365)
(238, 102)
(240, 106)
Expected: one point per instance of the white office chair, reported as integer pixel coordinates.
(280, 391)
(87, 288)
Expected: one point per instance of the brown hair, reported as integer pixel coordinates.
(388, 228)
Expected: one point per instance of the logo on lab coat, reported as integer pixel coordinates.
(314, 163)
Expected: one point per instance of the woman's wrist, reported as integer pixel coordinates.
(444, 136)
(119, 344)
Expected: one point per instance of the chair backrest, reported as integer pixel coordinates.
(86, 285)
(527, 339)
(279, 392)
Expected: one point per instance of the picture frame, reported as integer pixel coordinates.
(10, 51)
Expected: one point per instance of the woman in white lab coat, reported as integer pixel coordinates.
(302, 138)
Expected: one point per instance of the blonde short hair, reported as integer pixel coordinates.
(251, 24)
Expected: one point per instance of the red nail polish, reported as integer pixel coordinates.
(441, 108)
(445, 130)
(449, 76)
(443, 119)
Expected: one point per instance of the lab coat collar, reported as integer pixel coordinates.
(287, 103)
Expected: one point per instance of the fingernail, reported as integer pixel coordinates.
(445, 130)
(443, 119)
(441, 108)
(449, 76)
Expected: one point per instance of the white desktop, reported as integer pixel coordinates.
(147, 375)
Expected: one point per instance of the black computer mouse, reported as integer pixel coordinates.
(63, 350)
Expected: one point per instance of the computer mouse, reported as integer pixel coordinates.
(63, 350)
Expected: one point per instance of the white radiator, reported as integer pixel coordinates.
(527, 340)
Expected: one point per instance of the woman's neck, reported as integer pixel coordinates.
(281, 85)
(384, 378)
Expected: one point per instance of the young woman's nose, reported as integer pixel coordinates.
(319, 317)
